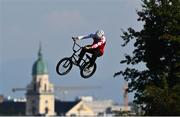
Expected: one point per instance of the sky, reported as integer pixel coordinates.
(26, 23)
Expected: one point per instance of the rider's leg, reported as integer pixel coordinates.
(82, 53)
(96, 53)
(92, 60)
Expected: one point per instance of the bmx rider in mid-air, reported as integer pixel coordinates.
(96, 49)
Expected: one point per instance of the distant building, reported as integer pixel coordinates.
(121, 108)
(12, 108)
(99, 107)
(62, 108)
(40, 92)
(104, 107)
(85, 106)
(1, 98)
(73, 108)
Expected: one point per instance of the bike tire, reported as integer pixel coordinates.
(62, 65)
(82, 72)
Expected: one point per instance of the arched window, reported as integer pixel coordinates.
(45, 87)
(46, 110)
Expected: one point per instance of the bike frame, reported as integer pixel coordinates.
(74, 56)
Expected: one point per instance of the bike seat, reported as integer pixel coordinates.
(88, 56)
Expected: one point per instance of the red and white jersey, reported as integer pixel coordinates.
(97, 43)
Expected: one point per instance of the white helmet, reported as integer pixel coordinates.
(99, 33)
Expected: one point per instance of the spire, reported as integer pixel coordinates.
(39, 67)
(39, 52)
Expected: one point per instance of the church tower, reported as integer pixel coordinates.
(40, 92)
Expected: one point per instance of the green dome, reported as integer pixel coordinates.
(39, 67)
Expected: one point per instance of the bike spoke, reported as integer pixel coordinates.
(64, 66)
(87, 71)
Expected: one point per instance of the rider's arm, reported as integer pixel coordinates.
(102, 41)
(85, 36)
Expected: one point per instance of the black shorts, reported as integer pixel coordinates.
(94, 51)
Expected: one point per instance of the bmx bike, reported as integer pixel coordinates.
(64, 66)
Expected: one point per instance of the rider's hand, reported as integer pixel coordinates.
(75, 38)
(88, 47)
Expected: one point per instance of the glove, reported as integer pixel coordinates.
(88, 47)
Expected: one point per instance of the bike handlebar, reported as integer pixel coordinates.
(75, 43)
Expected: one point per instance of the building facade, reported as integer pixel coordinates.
(40, 92)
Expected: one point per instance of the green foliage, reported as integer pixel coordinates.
(163, 100)
(158, 46)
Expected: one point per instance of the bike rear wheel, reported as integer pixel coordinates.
(64, 66)
(87, 72)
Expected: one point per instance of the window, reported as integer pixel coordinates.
(45, 88)
(46, 110)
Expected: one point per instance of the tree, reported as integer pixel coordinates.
(157, 88)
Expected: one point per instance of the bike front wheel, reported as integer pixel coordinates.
(87, 72)
(64, 66)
